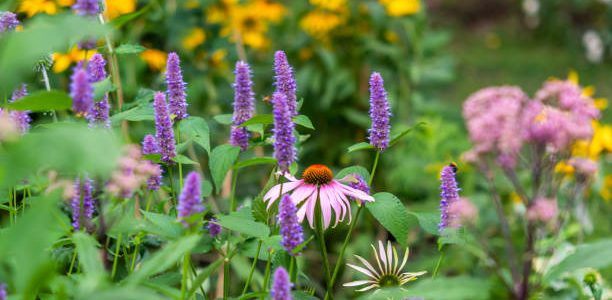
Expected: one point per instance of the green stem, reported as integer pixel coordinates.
(171, 173)
(233, 192)
(195, 274)
(321, 238)
(74, 254)
(186, 265)
(180, 166)
(374, 166)
(267, 273)
(11, 209)
(115, 260)
(226, 277)
(435, 271)
(149, 200)
(134, 256)
(248, 281)
(292, 269)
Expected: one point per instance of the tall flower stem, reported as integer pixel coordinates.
(115, 260)
(293, 269)
(180, 166)
(439, 263)
(174, 199)
(186, 265)
(248, 281)
(332, 281)
(226, 274)
(320, 233)
(267, 273)
(72, 260)
(233, 191)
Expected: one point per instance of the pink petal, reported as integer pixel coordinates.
(310, 209)
(355, 193)
(324, 201)
(303, 192)
(273, 194)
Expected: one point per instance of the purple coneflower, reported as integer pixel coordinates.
(285, 81)
(290, 228)
(86, 7)
(190, 201)
(318, 180)
(449, 193)
(244, 105)
(214, 229)
(86, 190)
(176, 87)
(284, 141)
(379, 113)
(163, 128)
(8, 21)
(81, 92)
(281, 285)
(21, 117)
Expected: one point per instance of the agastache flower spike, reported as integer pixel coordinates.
(244, 105)
(379, 113)
(176, 87)
(449, 193)
(100, 110)
(8, 21)
(290, 229)
(190, 201)
(95, 68)
(21, 117)
(86, 190)
(163, 126)
(281, 286)
(86, 7)
(149, 146)
(285, 81)
(81, 92)
(284, 141)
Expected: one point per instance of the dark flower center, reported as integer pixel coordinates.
(318, 174)
(388, 280)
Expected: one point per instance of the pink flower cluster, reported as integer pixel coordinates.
(543, 210)
(462, 212)
(500, 120)
(132, 173)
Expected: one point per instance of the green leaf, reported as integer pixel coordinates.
(301, 295)
(392, 214)
(42, 101)
(196, 128)
(255, 161)
(223, 119)
(454, 288)
(359, 147)
(162, 225)
(428, 221)
(89, 254)
(265, 119)
(182, 159)
(209, 270)
(164, 258)
(103, 87)
(243, 223)
(354, 170)
(129, 49)
(123, 293)
(138, 113)
(124, 19)
(397, 137)
(595, 255)
(221, 160)
(304, 121)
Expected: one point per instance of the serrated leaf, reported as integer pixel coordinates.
(182, 159)
(42, 101)
(595, 255)
(221, 160)
(243, 223)
(162, 225)
(359, 147)
(265, 119)
(196, 129)
(89, 255)
(129, 49)
(103, 87)
(138, 113)
(259, 209)
(391, 213)
(428, 221)
(304, 121)
(255, 161)
(225, 119)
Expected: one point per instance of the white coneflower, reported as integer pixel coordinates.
(388, 273)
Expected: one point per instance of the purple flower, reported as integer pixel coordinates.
(360, 184)
(86, 190)
(8, 21)
(95, 68)
(290, 229)
(81, 92)
(284, 148)
(21, 117)
(214, 229)
(281, 286)
(3, 294)
(86, 7)
(163, 128)
(449, 193)
(244, 105)
(379, 113)
(285, 81)
(98, 114)
(176, 87)
(149, 145)
(190, 201)
(155, 180)
(87, 44)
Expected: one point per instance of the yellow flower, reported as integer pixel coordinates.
(606, 189)
(320, 23)
(33, 7)
(601, 142)
(399, 8)
(601, 103)
(217, 57)
(115, 8)
(65, 3)
(196, 37)
(564, 168)
(331, 5)
(61, 61)
(156, 59)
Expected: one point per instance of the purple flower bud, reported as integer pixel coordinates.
(95, 68)
(449, 193)
(190, 201)
(214, 229)
(154, 182)
(149, 145)
(3, 293)
(176, 87)
(86, 190)
(86, 7)
(379, 113)
(163, 128)
(8, 21)
(21, 117)
(284, 148)
(290, 229)
(281, 286)
(285, 81)
(244, 105)
(81, 92)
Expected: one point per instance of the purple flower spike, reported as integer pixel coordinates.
(284, 141)
(86, 190)
(81, 92)
(8, 21)
(95, 68)
(98, 115)
(176, 87)
(244, 105)
(88, 200)
(163, 127)
(86, 7)
(449, 194)
(154, 182)
(21, 117)
(149, 145)
(190, 201)
(379, 113)
(290, 229)
(214, 229)
(281, 286)
(285, 80)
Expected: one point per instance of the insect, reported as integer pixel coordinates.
(453, 165)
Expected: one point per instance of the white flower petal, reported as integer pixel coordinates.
(383, 255)
(377, 259)
(358, 282)
(367, 264)
(362, 270)
(368, 288)
(389, 256)
(405, 259)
